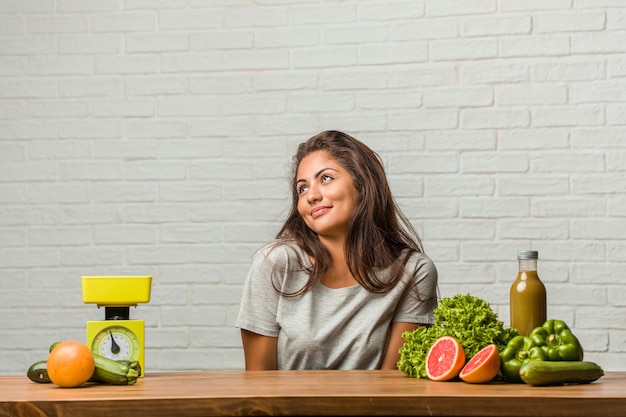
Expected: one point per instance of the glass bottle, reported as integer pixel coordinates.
(528, 295)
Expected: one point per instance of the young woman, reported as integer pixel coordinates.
(346, 275)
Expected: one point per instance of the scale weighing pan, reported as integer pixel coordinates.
(116, 290)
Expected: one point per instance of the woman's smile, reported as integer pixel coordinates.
(318, 211)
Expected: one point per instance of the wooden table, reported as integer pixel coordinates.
(215, 393)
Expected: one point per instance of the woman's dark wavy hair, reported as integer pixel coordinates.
(379, 234)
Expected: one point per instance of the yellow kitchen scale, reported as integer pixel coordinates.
(117, 336)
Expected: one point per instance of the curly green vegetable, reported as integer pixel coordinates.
(468, 318)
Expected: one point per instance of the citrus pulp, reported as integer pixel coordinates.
(482, 367)
(445, 359)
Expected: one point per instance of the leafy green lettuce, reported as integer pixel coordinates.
(468, 318)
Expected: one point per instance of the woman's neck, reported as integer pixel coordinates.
(338, 274)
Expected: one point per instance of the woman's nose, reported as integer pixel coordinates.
(313, 194)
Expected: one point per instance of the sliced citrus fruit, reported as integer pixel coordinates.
(445, 359)
(483, 367)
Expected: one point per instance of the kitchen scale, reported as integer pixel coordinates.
(117, 336)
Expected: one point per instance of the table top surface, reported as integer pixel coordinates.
(183, 394)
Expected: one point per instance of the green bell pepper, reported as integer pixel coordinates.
(560, 342)
(517, 352)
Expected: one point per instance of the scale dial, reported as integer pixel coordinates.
(116, 342)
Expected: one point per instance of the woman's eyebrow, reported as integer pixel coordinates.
(317, 174)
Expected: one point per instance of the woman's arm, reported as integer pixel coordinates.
(259, 351)
(392, 354)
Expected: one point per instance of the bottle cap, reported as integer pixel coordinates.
(527, 254)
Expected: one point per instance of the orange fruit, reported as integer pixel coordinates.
(483, 367)
(445, 359)
(70, 364)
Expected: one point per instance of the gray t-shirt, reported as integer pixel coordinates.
(326, 328)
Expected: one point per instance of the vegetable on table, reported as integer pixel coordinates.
(552, 341)
(541, 373)
(519, 351)
(560, 342)
(468, 318)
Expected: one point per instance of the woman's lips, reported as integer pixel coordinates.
(318, 211)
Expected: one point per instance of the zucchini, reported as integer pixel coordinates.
(38, 372)
(560, 372)
(114, 372)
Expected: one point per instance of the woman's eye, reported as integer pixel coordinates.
(302, 189)
(326, 178)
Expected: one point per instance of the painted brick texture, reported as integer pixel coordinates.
(149, 137)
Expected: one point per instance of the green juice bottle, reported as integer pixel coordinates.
(528, 295)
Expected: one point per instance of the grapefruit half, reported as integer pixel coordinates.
(483, 367)
(445, 359)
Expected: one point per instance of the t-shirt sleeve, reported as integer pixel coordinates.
(259, 300)
(420, 298)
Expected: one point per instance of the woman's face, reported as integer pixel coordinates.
(326, 194)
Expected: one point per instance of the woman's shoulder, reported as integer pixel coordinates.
(280, 251)
(420, 262)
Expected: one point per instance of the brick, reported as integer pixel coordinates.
(412, 30)
(458, 185)
(597, 43)
(329, 13)
(605, 184)
(568, 162)
(534, 139)
(257, 104)
(494, 118)
(463, 140)
(405, 52)
(461, 97)
(222, 127)
(588, 115)
(310, 102)
(27, 45)
(128, 234)
(531, 95)
(163, 42)
(534, 5)
(337, 56)
(615, 114)
(178, 19)
(549, 229)
(126, 64)
(569, 69)
(535, 46)
(568, 207)
(237, 17)
(354, 34)
(424, 120)
(125, 22)
(489, 208)
(58, 109)
(497, 26)
(221, 40)
(12, 110)
(188, 105)
(558, 22)
(155, 85)
(57, 24)
(463, 49)
(277, 80)
(531, 185)
(460, 7)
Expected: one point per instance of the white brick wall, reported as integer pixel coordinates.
(154, 137)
